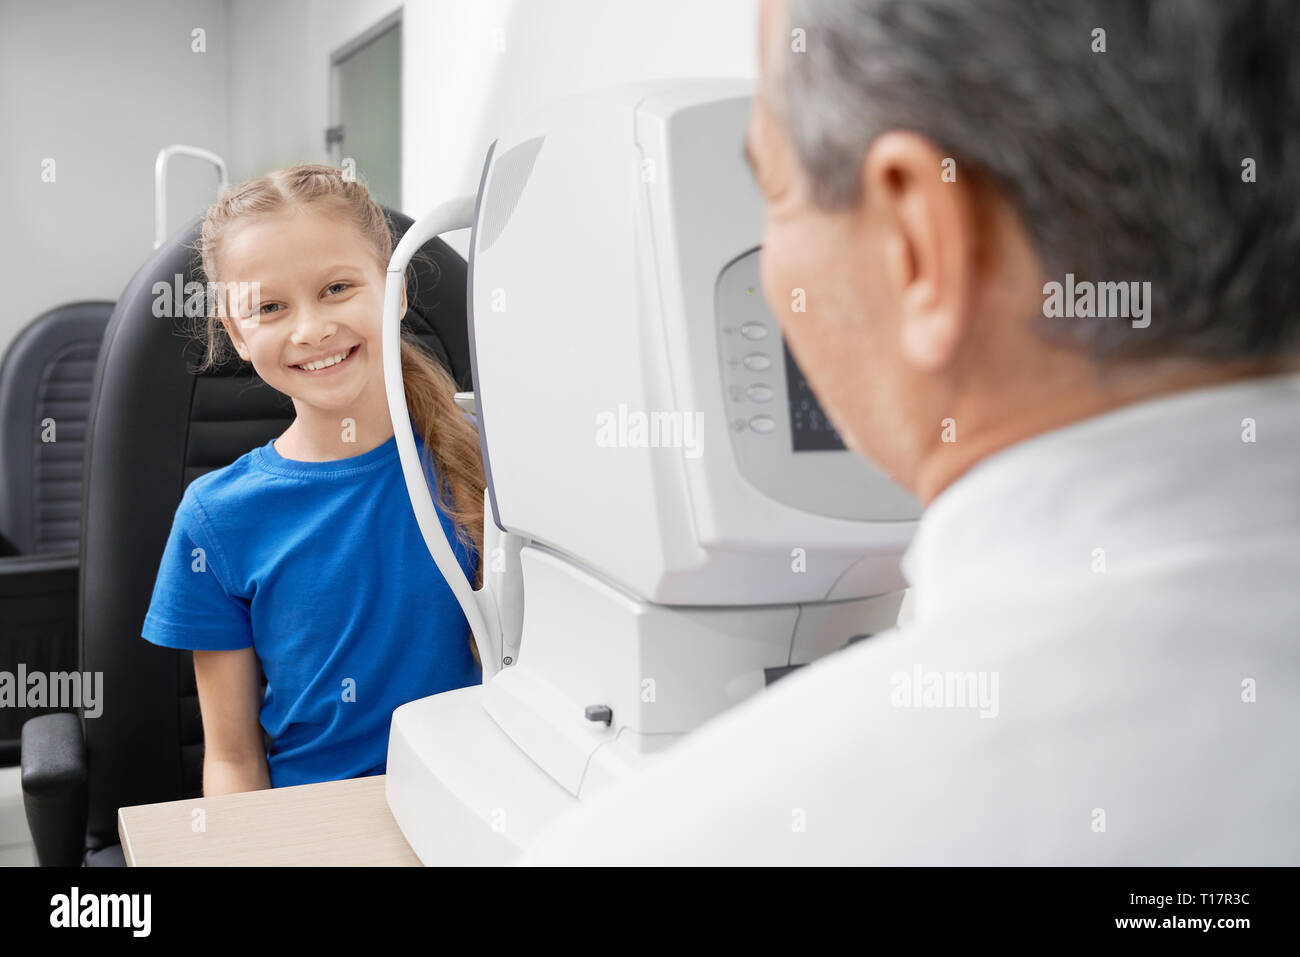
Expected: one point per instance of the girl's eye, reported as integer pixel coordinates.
(337, 285)
(263, 311)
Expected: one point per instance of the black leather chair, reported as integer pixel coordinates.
(45, 382)
(155, 427)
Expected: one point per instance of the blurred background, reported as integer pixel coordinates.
(411, 94)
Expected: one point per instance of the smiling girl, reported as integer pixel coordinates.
(304, 555)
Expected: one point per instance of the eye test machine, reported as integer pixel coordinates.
(671, 522)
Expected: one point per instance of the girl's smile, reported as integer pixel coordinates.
(328, 364)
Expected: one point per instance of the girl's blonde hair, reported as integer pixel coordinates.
(447, 434)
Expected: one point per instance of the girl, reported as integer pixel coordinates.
(304, 555)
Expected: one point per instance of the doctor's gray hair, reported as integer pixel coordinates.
(1164, 149)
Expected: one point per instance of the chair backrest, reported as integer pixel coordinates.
(154, 427)
(45, 380)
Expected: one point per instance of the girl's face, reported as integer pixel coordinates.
(319, 299)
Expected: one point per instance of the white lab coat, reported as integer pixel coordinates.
(1133, 581)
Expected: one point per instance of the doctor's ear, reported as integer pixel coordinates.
(924, 210)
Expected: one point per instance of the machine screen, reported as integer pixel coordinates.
(810, 430)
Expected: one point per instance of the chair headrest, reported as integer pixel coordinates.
(46, 375)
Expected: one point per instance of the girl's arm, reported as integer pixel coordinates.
(234, 758)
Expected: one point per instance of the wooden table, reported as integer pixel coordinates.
(335, 823)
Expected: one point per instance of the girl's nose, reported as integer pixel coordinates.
(311, 324)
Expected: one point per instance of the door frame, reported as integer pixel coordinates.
(362, 39)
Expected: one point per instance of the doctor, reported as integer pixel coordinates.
(1104, 662)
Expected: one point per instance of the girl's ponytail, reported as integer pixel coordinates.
(451, 441)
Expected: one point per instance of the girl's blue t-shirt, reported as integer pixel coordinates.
(320, 567)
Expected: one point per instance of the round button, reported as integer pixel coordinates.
(753, 330)
(757, 362)
(759, 392)
(762, 423)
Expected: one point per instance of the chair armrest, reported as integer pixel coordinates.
(40, 562)
(55, 788)
(38, 628)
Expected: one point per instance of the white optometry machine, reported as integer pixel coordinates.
(671, 522)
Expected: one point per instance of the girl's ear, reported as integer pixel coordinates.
(403, 302)
(235, 340)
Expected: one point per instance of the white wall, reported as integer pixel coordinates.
(468, 67)
(99, 88)
(482, 65)
(280, 75)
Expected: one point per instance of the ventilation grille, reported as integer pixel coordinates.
(63, 397)
(510, 175)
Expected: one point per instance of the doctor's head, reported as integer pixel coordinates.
(989, 219)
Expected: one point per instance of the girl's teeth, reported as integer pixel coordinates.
(325, 363)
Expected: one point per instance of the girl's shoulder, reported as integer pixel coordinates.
(226, 489)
